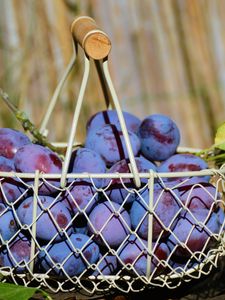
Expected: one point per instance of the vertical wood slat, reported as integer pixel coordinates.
(167, 57)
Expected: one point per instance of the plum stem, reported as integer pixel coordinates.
(212, 154)
(219, 157)
(205, 152)
(26, 123)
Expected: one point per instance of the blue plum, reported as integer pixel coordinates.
(72, 256)
(18, 253)
(221, 218)
(84, 160)
(32, 157)
(181, 267)
(116, 191)
(134, 254)
(106, 265)
(200, 195)
(10, 141)
(8, 225)
(80, 195)
(109, 142)
(193, 232)
(111, 117)
(110, 223)
(83, 230)
(6, 164)
(52, 216)
(11, 187)
(159, 137)
(184, 162)
(163, 201)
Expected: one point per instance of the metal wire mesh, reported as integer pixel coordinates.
(111, 237)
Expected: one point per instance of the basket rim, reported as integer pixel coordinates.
(41, 175)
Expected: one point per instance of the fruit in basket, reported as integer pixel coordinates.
(32, 157)
(221, 218)
(80, 229)
(184, 162)
(11, 188)
(17, 254)
(165, 208)
(159, 137)
(116, 191)
(109, 142)
(6, 164)
(8, 225)
(193, 232)
(10, 141)
(133, 255)
(179, 267)
(110, 223)
(84, 160)
(111, 117)
(72, 256)
(52, 216)
(80, 195)
(200, 195)
(106, 265)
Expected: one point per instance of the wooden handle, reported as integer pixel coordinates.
(95, 42)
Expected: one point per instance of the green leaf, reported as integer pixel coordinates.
(220, 137)
(14, 292)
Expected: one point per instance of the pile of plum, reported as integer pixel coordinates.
(105, 226)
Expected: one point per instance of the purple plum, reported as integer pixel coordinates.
(200, 195)
(221, 218)
(134, 252)
(109, 142)
(159, 137)
(17, 255)
(116, 191)
(110, 223)
(51, 217)
(8, 225)
(11, 188)
(184, 163)
(106, 265)
(163, 201)
(70, 257)
(10, 141)
(111, 117)
(84, 160)
(6, 164)
(32, 157)
(83, 230)
(80, 195)
(193, 232)
(182, 266)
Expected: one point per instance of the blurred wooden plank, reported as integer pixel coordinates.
(183, 18)
(216, 24)
(166, 57)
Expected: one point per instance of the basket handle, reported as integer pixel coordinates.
(96, 45)
(95, 42)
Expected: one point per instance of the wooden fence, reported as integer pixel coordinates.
(168, 56)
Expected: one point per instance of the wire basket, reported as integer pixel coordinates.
(96, 255)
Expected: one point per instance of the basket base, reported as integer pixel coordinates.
(208, 287)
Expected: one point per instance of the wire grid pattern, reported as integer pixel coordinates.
(60, 244)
